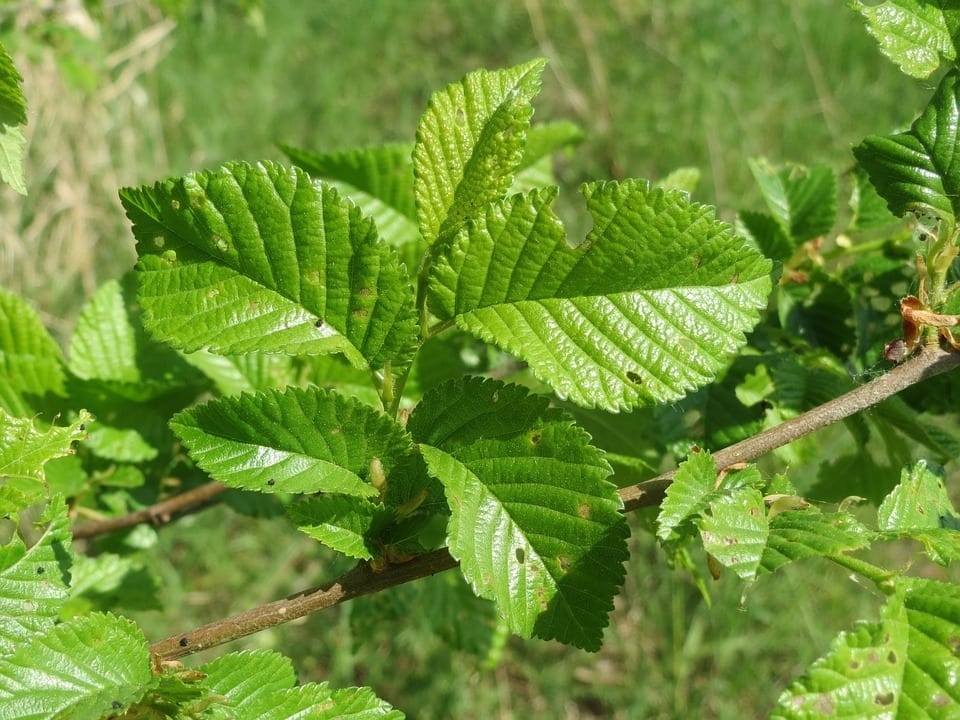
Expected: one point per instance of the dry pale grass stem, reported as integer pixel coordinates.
(70, 234)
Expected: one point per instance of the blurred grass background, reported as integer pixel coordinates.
(122, 94)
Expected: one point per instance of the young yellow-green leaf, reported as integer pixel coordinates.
(920, 169)
(260, 684)
(249, 372)
(798, 534)
(534, 521)
(683, 178)
(33, 581)
(904, 666)
(264, 258)
(688, 495)
(13, 114)
(914, 33)
(31, 363)
(919, 508)
(342, 523)
(89, 667)
(734, 531)
(650, 306)
(536, 168)
(470, 143)
(24, 449)
(296, 441)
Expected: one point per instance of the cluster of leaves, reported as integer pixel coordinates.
(343, 312)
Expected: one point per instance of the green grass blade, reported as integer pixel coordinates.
(263, 258)
(650, 306)
(295, 440)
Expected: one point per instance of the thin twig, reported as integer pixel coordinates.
(362, 580)
(930, 362)
(159, 514)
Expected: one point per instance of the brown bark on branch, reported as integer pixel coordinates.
(158, 514)
(364, 581)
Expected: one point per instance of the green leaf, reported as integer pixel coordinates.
(536, 167)
(259, 684)
(263, 258)
(345, 524)
(651, 305)
(920, 168)
(904, 666)
(89, 667)
(378, 179)
(109, 581)
(31, 363)
(684, 178)
(914, 33)
(766, 233)
(24, 449)
(688, 495)
(109, 344)
(803, 200)
(535, 524)
(870, 211)
(13, 113)
(296, 440)
(249, 372)
(798, 534)
(470, 143)
(734, 531)
(33, 581)
(919, 508)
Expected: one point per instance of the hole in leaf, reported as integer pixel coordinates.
(564, 562)
(83, 426)
(184, 642)
(116, 704)
(319, 323)
(634, 378)
(886, 698)
(521, 556)
(892, 658)
(535, 438)
(175, 204)
(271, 482)
(41, 570)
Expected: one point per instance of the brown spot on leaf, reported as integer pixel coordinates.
(885, 699)
(584, 511)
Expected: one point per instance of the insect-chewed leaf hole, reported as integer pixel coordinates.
(536, 437)
(634, 377)
(271, 482)
(521, 555)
